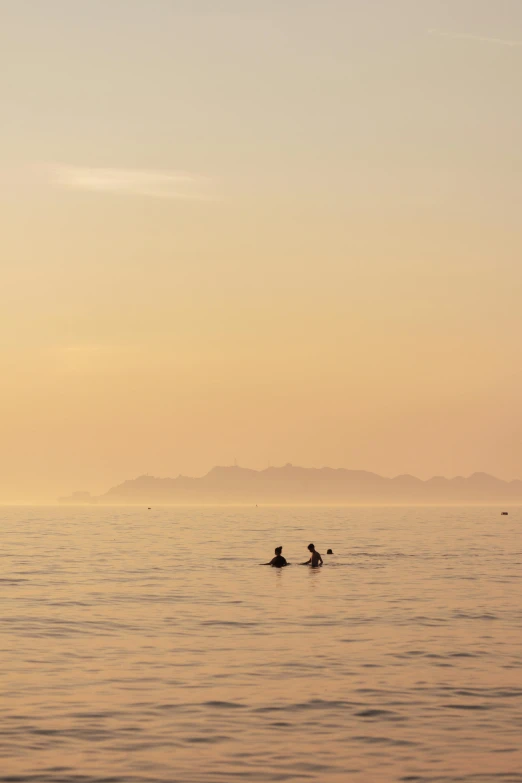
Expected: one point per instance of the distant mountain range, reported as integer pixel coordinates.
(291, 484)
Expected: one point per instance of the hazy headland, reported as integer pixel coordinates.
(291, 484)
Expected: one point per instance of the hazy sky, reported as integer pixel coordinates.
(270, 230)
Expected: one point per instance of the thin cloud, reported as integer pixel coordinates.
(138, 182)
(479, 38)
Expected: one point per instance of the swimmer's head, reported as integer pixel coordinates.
(311, 547)
(329, 552)
(278, 550)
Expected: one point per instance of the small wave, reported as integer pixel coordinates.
(466, 706)
(224, 705)
(372, 740)
(229, 623)
(375, 713)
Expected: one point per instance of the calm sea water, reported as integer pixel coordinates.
(145, 645)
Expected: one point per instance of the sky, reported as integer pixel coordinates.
(267, 231)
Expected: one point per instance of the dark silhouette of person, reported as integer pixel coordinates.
(330, 552)
(278, 561)
(315, 558)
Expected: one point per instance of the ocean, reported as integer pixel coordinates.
(140, 646)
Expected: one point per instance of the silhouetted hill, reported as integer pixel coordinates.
(292, 484)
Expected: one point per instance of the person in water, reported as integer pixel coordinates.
(330, 552)
(315, 558)
(278, 561)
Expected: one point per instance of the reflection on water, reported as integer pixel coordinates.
(150, 646)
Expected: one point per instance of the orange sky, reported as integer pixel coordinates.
(265, 231)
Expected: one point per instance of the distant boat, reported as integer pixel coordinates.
(504, 513)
